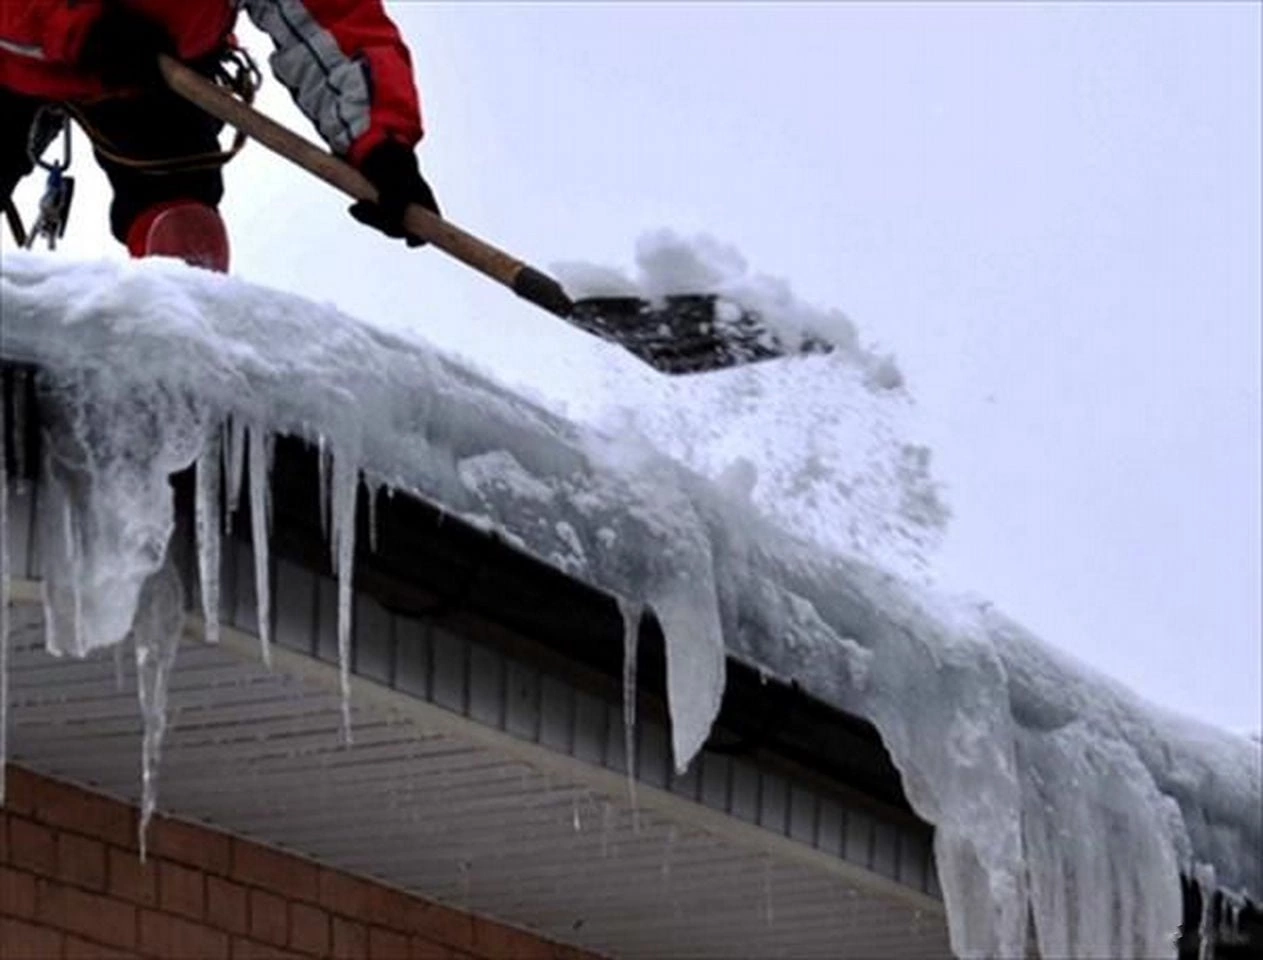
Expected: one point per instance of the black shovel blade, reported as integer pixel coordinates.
(686, 334)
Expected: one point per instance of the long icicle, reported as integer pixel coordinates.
(208, 524)
(342, 541)
(234, 445)
(322, 483)
(156, 636)
(1204, 876)
(631, 635)
(260, 444)
(372, 490)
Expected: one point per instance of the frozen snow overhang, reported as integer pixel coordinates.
(489, 759)
(487, 769)
(986, 724)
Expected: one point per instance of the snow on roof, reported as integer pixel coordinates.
(1054, 792)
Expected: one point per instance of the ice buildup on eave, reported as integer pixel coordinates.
(1055, 794)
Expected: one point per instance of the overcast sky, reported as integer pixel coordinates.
(1050, 213)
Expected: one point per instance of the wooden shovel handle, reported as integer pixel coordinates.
(524, 280)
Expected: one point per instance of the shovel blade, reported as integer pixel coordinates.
(686, 334)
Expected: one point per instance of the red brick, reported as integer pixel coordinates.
(19, 789)
(17, 893)
(386, 944)
(189, 844)
(131, 880)
(81, 861)
(371, 902)
(26, 941)
(396, 910)
(350, 940)
(380, 905)
(342, 893)
(182, 890)
(90, 915)
(227, 905)
(263, 867)
(32, 847)
(495, 940)
(77, 949)
(62, 805)
(174, 938)
(269, 919)
(308, 929)
(422, 949)
(564, 951)
(443, 925)
(250, 950)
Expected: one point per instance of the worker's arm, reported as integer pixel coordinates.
(347, 68)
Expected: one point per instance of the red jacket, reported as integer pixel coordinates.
(342, 60)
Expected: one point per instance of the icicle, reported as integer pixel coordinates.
(120, 681)
(1204, 875)
(631, 635)
(372, 489)
(4, 596)
(342, 542)
(466, 881)
(234, 447)
(260, 445)
(62, 581)
(156, 635)
(574, 816)
(206, 509)
(322, 480)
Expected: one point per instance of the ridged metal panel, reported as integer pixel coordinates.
(481, 782)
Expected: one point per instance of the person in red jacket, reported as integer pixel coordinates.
(342, 60)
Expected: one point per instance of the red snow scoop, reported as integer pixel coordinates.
(684, 336)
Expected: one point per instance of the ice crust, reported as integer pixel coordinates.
(1056, 794)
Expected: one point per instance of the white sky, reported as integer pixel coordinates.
(1050, 213)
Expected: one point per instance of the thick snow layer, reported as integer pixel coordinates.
(1056, 795)
(667, 264)
(821, 445)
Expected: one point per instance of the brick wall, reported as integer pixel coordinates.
(72, 886)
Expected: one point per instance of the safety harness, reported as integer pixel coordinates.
(235, 70)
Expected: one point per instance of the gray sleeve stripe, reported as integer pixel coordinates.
(328, 86)
(29, 50)
(324, 69)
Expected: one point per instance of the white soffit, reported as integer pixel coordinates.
(451, 809)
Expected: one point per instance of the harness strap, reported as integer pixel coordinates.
(237, 72)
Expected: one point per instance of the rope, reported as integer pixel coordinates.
(236, 71)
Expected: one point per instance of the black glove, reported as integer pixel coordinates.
(392, 168)
(122, 48)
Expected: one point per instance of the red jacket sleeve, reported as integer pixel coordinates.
(347, 68)
(49, 30)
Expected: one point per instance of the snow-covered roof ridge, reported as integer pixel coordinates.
(1050, 787)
